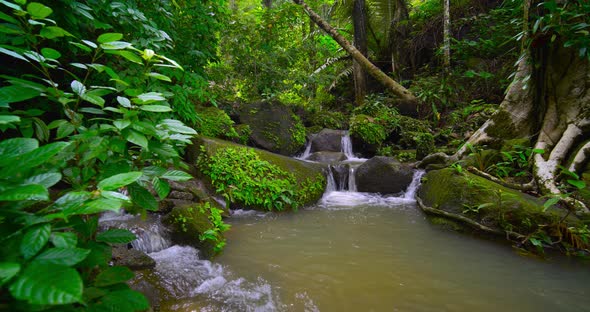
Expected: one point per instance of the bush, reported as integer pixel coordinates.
(367, 129)
(214, 122)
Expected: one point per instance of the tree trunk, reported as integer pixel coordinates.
(447, 36)
(359, 18)
(373, 70)
(549, 102)
(399, 31)
(267, 3)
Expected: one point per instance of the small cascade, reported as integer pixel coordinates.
(306, 153)
(410, 192)
(351, 180)
(347, 146)
(331, 186)
(151, 234)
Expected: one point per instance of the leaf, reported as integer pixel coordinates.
(142, 197)
(45, 179)
(115, 195)
(38, 10)
(33, 158)
(64, 130)
(115, 45)
(179, 127)
(137, 138)
(124, 101)
(7, 271)
(128, 55)
(161, 187)
(52, 32)
(93, 98)
(90, 44)
(48, 284)
(34, 240)
(17, 146)
(155, 108)
(116, 236)
(25, 192)
(78, 87)
(550, 202)
(109, 37)
(159, 76)
(8, 18)
(151, 97)
(579, 184)
(62, 256)
(11, 5)
(119, 180)
(7, 119)
(64, 239)
(50, 53)
(13, 54)
(99, 205)
(176, 175)
(12, 94)
(113, 275)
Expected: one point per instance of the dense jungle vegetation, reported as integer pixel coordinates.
(99, 100)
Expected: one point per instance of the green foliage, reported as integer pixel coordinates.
(214, 122)
(215, 233)
(366, 128)
(515, 163)
(424, 144)
(102, 107)
(242, 177)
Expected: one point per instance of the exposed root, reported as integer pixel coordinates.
(468, 221)
(581, 158)
(527, 187)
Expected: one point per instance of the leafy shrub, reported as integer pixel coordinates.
(424, 144)
(367, 129)
(214, 122)
(218, 227)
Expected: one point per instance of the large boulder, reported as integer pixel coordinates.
(274, 127)
(327, 157)
(310, 177)
(488, 203)
(383, 175)
(327, 140)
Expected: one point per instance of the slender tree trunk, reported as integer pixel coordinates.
(398, 32)
(359, 18)
(267, 3)
(373, 70)
(447, 37)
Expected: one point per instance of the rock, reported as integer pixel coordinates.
(433, 159)
(132, 258)
(327, 157)
(327, 140)
(181, 195)
(503, 208)
(274, 127)
(305, 173)
(383, 175)
(186, 223)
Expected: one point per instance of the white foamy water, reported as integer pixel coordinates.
(151, 234)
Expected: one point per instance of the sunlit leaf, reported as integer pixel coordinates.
(62, 256)
(38, 10)
(119, 180)
(109, 37)
(34, 240)
(7, 271)
(116, 236)
(155, 108)
(48, 284)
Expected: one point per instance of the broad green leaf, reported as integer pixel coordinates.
(25, 192)
(116, 236)
(64, 130)
(17, 146)
(79, 65)
(78, 87)
(100, 254)
(81, 46)
(171, 62)
(100, 205)
(50, 53)
(124, 101)
(115, 45)
(137, 138)
(7, 119)
(109, 37)
(38, 10)
(159, 76)
(11, 5)
(8, 18)
(45, 179)
(93, 98)
(90, 44)
(151, 97)
(155, 108)
(7, 271)
(178, 126)
(64, 239)
(48, 284)
(34, 240)
(119, 180)
(550, 202)
(14, 93)
(13, 54)
(62, 256)
(41, 130)
(121, 300)
(127, 54)
(52, 32)
(122, 123)
(579, 184)
(142, 197)
(33, 158)
(176, 175)
(113, 275)
(95, 111)
(115, 195)
(161, 187)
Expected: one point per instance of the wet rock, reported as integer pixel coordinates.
(181, 195)
(132, 258)
(186, 223)
(327, 157)
(383, 175)
(433, 159)
(327, 140)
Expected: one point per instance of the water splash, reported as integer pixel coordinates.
(410, 192)
(307, 151)
(351, 180)
(151, 234)
(347, 148)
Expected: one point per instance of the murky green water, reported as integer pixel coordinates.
(385, 256)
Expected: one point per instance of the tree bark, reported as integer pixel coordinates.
(359, 18)
(447, 36)
(399, 31)
(371, 69)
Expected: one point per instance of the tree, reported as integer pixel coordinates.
(371, 69)
(549, 98)
(447, 36)
(359, 18)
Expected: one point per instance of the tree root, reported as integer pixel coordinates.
(527, 187)
(470, 222)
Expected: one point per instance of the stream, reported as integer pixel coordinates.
(356, 252)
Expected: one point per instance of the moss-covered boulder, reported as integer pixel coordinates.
(327, 157)
(483, 201)
(264, 181)
(274, 127)
(383, 175)
(327, 140)
(214, 122)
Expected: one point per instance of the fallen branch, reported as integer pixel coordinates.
(530, 186)
(468, 221)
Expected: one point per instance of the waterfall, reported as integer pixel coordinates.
(351, 180)
(151, 234)
(410, 192)
(331, 185)
(307, 151)
(347, 146)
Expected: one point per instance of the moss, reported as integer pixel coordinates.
(424, 144)
(446, 223)
(367, 129)
(502, 127)
(409, 129)
(215, 122)
(187, 224)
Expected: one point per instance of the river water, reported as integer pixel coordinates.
(362, 252)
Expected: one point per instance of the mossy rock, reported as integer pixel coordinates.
(503, 208)
(383, 175)
(305, 173)
(214, 122)
(274, 127)
(186, 224)
(408, 131)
